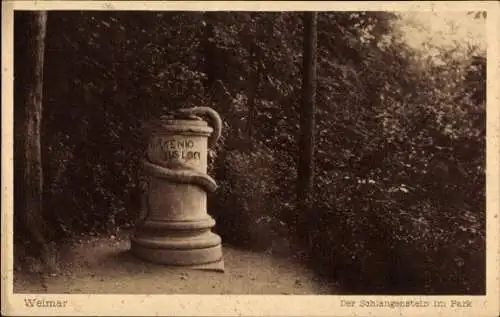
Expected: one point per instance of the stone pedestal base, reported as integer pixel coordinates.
(182, 243)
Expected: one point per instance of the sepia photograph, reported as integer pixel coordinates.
(191, 150)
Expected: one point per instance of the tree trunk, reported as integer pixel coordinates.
(209, 52)
(305, 172)
(31, 91)
(255, 82)
(254, 77)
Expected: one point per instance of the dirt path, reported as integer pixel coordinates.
(104, 265)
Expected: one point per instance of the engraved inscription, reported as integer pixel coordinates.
(175, 149)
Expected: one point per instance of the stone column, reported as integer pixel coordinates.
(176, 228)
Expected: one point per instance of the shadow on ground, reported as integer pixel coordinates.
(105, 265)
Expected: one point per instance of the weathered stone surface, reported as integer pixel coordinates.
(175, 228)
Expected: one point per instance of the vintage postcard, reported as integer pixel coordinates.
(250, 158)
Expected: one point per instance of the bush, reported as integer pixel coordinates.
(248, 205)
(414, 220)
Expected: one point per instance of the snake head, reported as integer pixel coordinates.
(213, 117)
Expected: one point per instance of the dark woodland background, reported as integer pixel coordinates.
(338, 137)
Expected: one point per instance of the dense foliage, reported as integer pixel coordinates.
(400, 155)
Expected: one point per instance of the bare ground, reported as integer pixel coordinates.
(104, 265)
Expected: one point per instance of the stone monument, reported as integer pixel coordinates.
(175, 228)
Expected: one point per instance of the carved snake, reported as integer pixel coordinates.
(176, 170)
(212, 114)
(179, 172)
